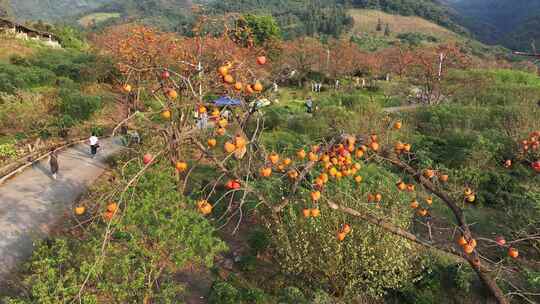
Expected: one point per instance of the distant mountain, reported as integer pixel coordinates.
(51, 10)
(62, 10)
(512, 23)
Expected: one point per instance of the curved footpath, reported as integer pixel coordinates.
(32, 202)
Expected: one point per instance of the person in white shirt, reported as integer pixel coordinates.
(94, 144)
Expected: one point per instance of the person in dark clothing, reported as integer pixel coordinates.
(53, 162)
(309, 105)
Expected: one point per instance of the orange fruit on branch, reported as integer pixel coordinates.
(346, 228)
(273, 158)
(306, 212)
(212, 142)
(287, 161)
(513, 252)
(238, 86)
(223, 71)
(468, 249)
(258, 87)
(126, 88)
(293, 174)
(428, 173)
(166, 114)
(414, 204)
(301, 154)
(397, 125)
(312, 157)
(205, 207)
(228, 79)
(181, 166)
(239, 141)
(107, 215)
(315, 212)
(261, 60)
(112, 207)
(341, 236)
(462, 241)
(443, 178)
(80, 210)
(315, 195)
(172, 94)
(265, 172)
(229, 147)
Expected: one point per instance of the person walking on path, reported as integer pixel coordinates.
(94, 144)
(53, 162)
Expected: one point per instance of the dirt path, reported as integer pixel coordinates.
(32, 202)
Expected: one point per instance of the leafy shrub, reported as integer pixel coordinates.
(463, 277)
(258, 240)
(7, 150)
(321, 297)
(223, 293)
(248, 263)
(253, 296)
(77, 105)
(14, 77)
(292, 295)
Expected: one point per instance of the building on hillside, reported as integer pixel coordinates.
(20, 31)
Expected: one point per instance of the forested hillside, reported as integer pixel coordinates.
(510, 23)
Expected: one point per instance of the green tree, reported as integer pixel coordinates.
(257, 29)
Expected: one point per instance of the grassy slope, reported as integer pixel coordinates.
(97, 18)
(10, 47)
(365, 21)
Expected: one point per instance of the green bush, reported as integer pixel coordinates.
(248, 263)
(223, 293)
(258, 240)
(80, 107)
(253, 296)
(7, 150)
(292, 295)
(14, 77)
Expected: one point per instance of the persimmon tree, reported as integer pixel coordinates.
(328, 200)
(429, 68)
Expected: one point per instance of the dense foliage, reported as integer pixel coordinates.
(295, 18)
(511, 23)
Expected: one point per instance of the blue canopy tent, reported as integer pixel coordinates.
(227, 101)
